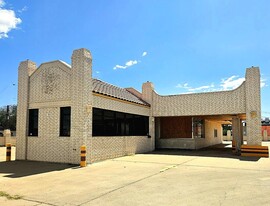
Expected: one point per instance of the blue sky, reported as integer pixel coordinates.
(180, 46)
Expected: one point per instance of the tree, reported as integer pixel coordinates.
(226, 127)
(8, 120)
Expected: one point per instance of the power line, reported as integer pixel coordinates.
(7, 87)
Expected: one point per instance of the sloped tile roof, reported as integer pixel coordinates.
(114, 91)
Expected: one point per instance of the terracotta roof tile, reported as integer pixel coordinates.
(114, 91)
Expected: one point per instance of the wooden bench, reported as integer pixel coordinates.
(254, 151)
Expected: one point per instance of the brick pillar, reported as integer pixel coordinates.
(25, 70)
(81, 104)
(253, 106)
(147, 96)
(236, 132)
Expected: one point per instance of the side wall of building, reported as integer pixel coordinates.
(54, 85)
(210, 138)
(116, 146)
(244, 101)
(49, 90)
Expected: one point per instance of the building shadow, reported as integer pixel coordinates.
(16, 169)
(219, 151)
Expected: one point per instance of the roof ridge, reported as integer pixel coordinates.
(109, 83)
(108, 89)
(137, 96)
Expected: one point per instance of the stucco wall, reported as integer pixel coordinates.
(176, 143)
(209, 139)
(193, 143)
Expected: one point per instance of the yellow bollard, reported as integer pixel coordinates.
(83, 156)
(8, 154)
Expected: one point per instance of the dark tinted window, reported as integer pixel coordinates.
(65, 121)
(112, 123)
(33, 122)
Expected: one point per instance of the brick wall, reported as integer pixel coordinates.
(211, 103)
(56, 84)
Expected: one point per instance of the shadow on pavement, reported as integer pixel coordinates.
(15, 169)
(220, 151)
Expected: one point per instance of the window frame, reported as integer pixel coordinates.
(33, 122)
(215, 133)
(65, 116)
(118, 124)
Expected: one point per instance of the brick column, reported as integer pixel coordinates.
(253, 106)
(81, 103)
(25, 70)
(147, 95)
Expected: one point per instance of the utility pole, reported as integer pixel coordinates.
(7, 118)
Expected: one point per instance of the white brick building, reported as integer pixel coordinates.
(61, 107)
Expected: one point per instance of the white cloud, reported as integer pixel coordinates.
(226, 84)
(131, 63)
(2, 3)
(23, 9)
(231, 82)
(206, 88)
(119, 67)
(263, 83)
(8, 20)
(127, 64)
(184, 86)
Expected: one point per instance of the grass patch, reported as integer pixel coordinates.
(10, 197)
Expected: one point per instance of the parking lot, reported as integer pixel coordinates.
(167, 177)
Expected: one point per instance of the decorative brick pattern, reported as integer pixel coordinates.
(48, 146)
(111, 147)
(212, 103)
(81, 103)
(57, 84)
(26, 69)
(253, 106)
(51, 82)
(243, 100)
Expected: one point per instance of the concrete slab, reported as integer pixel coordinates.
(204, 177)
(5, 202)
